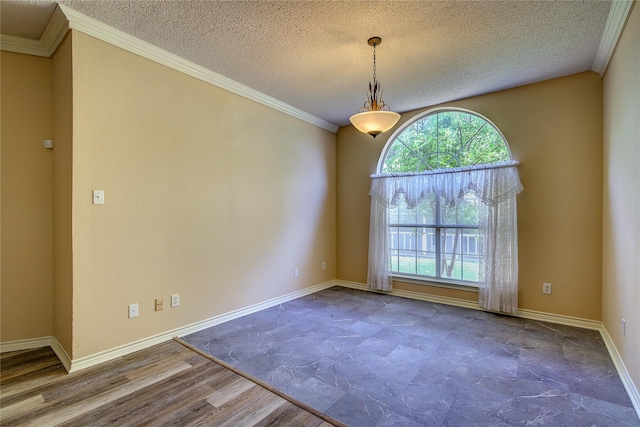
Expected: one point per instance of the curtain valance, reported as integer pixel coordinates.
(492, 184)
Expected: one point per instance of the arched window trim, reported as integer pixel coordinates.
(420, 116)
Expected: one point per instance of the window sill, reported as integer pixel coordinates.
(449, 284)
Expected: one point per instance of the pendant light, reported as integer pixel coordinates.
(375, 116)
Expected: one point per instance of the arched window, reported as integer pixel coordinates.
(438, 205)
(444, 139)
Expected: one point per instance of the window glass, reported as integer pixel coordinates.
(434, 239)
(445, 139)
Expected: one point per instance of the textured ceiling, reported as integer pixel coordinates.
(314, 54)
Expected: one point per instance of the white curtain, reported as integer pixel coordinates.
(379, 276)
(495, 185)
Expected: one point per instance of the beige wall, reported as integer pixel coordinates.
(554, 129)
(621, 217)
(27, 272)
(217, 198)
(62, 197)
(207, 195)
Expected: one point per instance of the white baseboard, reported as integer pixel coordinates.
(578, 322)
(105, 356)
(631, 388)
(413, 295)
(74, 365)
(195, 327)
(33, 343)
(632, 391)
(61, 353)
(525, 314)
(27, 344)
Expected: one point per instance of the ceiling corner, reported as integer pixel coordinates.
(611, 34)
(55, 30)
(51, 37)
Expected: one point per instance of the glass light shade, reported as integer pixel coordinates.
(374, 122)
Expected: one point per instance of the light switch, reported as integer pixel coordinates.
(98, 197)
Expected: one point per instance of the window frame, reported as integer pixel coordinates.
(437, 226)
(412, 120)
(424, 279)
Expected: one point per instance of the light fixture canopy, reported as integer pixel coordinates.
(375, 116)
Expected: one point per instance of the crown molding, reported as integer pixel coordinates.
(65, 18)
(612, 31)
(55, 31)
(108, 34)
(51, 38)
(23, 45)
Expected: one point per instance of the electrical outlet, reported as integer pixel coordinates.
(546, 288)
(624, 328)
(133, 311)
(295, 272)
(159, 304)
(175, 300)
(324, 265)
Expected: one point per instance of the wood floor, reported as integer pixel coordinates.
(167, 384)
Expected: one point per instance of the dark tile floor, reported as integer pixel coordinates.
(377, 360)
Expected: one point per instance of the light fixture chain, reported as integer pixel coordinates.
(374, 64)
